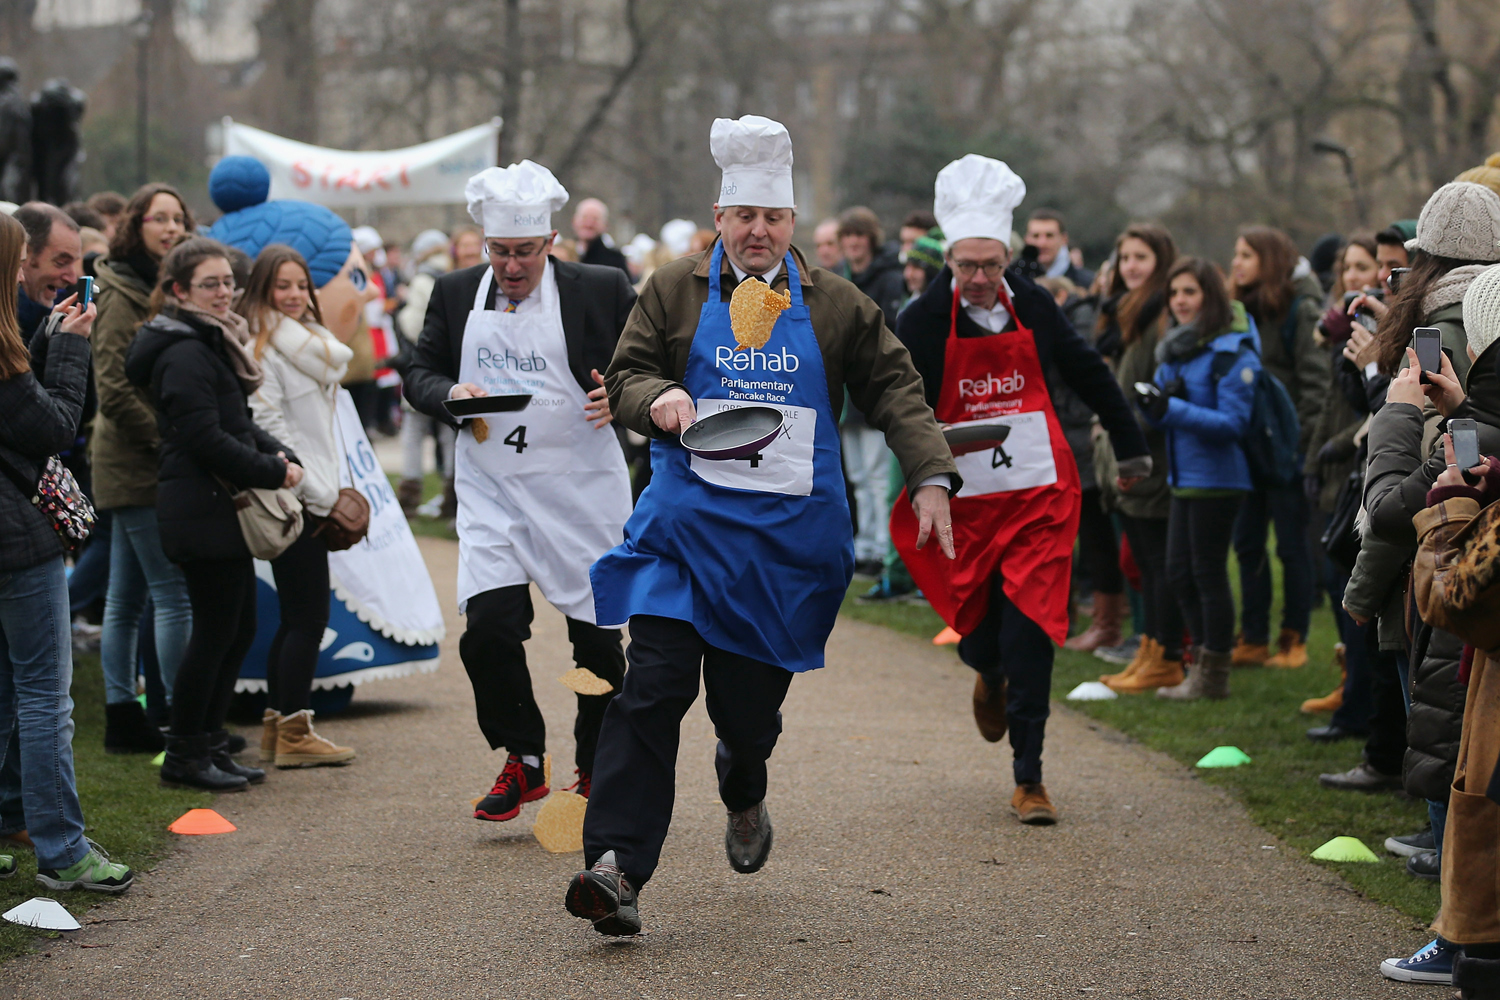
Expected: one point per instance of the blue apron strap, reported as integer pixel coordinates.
(793, 280)
(715, 264)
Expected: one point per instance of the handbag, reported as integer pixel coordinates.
(57, 495)
(1341, 534)
(347, 523)
(270, 520)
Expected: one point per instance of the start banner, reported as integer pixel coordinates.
(433, 173)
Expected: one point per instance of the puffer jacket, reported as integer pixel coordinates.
(125, 442)
(207, 434)
(1204, 428)
(1151, 498)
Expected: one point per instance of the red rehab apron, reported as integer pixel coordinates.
(1018, 508)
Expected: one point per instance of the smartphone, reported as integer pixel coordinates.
(1394, 281)
(1146, 390)
(85, 291)
(1428, 343)
(1465, 443)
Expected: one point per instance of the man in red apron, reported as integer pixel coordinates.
(986, 343)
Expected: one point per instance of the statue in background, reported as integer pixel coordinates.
(15, 135)
(56, 145)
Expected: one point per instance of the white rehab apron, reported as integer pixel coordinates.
(545, 494)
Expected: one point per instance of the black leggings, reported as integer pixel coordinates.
(1098, 548)
(222, 595)
(301, 574)
(1198, 537)
(1148, 543)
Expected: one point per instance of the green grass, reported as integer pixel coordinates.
(125, 809)
(1280, 787)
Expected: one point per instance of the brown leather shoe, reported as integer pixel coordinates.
(1144, 654)
(1032, 805)
(1291, 651)
(989, 710)
(1157, 672)
(1249, 654)
(1335, 699)
(1104, 630)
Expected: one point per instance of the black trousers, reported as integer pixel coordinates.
(1198, 536)
(1098, 548)
(1148, 543)
(499, 622)
(1011, 648)
(630, 804)
(1385, 750)
(301, 574)
(222, 595)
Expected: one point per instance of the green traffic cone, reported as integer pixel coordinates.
(1224, 757)
(1345, 849)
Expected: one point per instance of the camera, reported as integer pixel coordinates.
(1027, 265)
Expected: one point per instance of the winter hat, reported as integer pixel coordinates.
(239, 185)
(976, 197)
(515, 201)
(428, 241)
(1482, 310)
(1406, 227)
(677, 236)
(1460, 221)
(755, 155)
(367, 238)
(1488, 174)
(927, 252)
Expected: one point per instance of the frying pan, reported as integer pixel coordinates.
(478, 406)
(964, 438)
(731, 434)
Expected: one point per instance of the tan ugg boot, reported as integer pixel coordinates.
(297, 745)
(1104, 630)
(1291, 651)
(268, 724)
(1209, 679)
(1249, 654)
(1148, 650)
(1158, 672)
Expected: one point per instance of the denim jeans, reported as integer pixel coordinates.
(1287, 508)
(90, 576)
(137, 568)
(36, 671)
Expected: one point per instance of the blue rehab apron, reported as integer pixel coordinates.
(756, 553)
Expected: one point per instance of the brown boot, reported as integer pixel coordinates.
(1335, 699)
(1291, 650)
(1032, 805)
(1249, 654)
(297, 745)
(1158, 672)
(449, 509)
(1209, 679)
(1104, 630)
(268, 724)
(1148, 650)
(409, 495)
(989, 710)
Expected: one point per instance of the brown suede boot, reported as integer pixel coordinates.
(1104, 630)
(1335, 699)
(268, 724)
(1249, 654)
(989, 710)
(1158, 672)
(1032, 805)
(409, 495)
(297, 745)
(1291, 651)
(1209, 679)
(1145, 653)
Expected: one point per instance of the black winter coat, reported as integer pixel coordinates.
(39, 415)
(1065, 356)
(601, 254)
(884, 282)
(206, 431)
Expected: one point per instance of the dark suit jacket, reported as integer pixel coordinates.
(595, 303)
(604, 256)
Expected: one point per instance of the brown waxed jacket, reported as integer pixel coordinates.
(858, 352)
(126, 438)
(1456, 575)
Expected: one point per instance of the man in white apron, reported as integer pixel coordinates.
(542, 489)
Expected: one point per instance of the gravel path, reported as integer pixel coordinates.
(898, 869)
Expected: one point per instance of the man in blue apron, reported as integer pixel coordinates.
(736, 568)
(542, 490)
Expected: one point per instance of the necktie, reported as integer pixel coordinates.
(511, 305)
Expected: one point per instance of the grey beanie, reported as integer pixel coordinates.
(1460, 221)
(1482, 310)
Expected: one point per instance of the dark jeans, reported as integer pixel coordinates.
(1098, 548)
(1385, 750)
(301, 574)
(222, 593)
(90, 577)
(1148, 543)
(1360, 642)
(1287, 508)
(499, 622)
(630, 804)
(1198, 534)
(1009, 648)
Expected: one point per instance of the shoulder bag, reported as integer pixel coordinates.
(347, 523)
(57, 495)
(270, 520)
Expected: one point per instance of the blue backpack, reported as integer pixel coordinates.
(1274, 433)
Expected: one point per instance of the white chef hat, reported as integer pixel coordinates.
(755, 154)
(367, 238)
(515, 201)
(677, 236)
(975, 197)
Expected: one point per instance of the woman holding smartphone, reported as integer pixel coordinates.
(1205, 391)
(303, 363)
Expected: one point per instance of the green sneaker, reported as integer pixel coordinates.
(95, 872)
(7, 865)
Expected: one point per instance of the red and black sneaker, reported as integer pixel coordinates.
(582, 785)
(518, 784)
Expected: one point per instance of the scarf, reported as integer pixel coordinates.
(144, 265)
(1449, 289)
(311, 350)
(237, 343)
(1180, 343)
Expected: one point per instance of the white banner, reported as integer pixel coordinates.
(433, 173)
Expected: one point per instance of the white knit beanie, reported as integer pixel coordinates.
(1460, 221)
(1482, 310)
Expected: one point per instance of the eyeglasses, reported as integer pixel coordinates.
(214, 284)
(162, 220)
(503, 254)
(991, 268)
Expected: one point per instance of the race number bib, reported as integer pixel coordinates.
(783, 466)
(1024, 460)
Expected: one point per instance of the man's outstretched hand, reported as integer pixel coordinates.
(930, 503)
